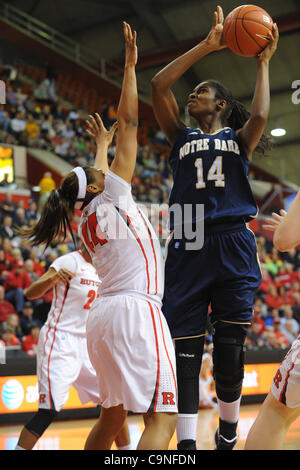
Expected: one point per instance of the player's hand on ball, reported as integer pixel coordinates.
(214, 38)
(268, 51)
(131, 52)
(98, 132)
(272, 223)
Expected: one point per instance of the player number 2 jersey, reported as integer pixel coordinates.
(71, 303)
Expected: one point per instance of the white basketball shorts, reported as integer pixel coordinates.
(286, 383)
(62, 361)
(131, 349)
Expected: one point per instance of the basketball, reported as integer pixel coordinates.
(246, 30)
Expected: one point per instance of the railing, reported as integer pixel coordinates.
(54, 39)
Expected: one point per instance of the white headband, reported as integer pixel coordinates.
(82, 184)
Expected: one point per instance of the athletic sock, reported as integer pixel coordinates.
(187, 427)
(227, 430)
(19, 447)
(128, 447)
(229, 411)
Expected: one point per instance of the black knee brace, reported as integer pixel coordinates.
(41, 421)
(228, 359)
(188, 363)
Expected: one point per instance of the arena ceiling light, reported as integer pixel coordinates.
(278, 130)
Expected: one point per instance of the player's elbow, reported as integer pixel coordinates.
(157, 84)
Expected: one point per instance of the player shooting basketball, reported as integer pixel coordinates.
(210, 166)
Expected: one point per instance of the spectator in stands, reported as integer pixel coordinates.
(7, 248)
(32, 130)
(6, 308)
(4, 119)
(17, 125)
(15, 283)
(62, 148)
(257, 318)
(7, 207)
(273, 314)
(31, 212)
(5, 266)
(27, 318)
(272, 298)
(20, 218)
(255, 338)
(289, 325)
(8, 338)
(13, 321)
(286, 297)
(276, 338)
(30, 342)
(38, 267)
(6, 229)
(47, 184)
(273, 261)
(29, 268)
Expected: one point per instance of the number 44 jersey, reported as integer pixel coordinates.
(211, 169)
(71, 302)
(122, 243)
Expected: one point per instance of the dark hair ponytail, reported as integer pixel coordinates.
(54, 221)
(235, 114)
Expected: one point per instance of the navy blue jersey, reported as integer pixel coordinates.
(212, 169)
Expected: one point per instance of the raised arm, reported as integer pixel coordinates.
(38, 288)
(127, 115)
(164, 103)
(103, 138)
(250, 134)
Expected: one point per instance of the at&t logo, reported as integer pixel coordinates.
(12, 394)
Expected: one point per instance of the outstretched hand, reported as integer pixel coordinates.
(215, 38)
(275, 221)
(131, 52)
(98, 132)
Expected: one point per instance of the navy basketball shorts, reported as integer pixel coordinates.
(225, 273)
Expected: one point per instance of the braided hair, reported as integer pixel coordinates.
(235, 114)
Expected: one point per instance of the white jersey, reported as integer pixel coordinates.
(122, 243)
(71, 303)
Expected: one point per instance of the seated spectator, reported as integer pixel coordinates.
(38, 267)
(20, 218)
(261, 307)
(6, 308)
(8, 338)
(29, 268)
(15, 283)
(31, 212)
(7, 207)
(273, 262)
(30, 342)
(27, 318)
(257, 318)
(13, 321)
(254, 336)
(286, 297)
(289, 325)
(8, 248)
(273, 314)
(5, 266)
(276, 338)
(272, 298)
(6, 229)
(18, 124)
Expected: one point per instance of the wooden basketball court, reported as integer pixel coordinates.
(71, 435)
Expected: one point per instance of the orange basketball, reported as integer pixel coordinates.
(246, 30)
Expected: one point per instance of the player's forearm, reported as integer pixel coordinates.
(261, 99)
(39, 288)
(173, 71)
(101, 157)
(127, 113)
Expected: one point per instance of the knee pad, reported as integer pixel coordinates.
(41, 421)
(228, 359)
(188, 363)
